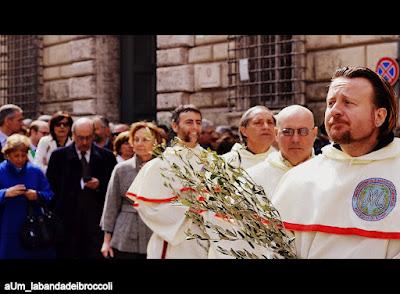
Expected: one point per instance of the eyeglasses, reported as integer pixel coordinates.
(44, 133)
(62, 124)
(288, 132)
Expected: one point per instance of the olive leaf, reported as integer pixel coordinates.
(228, 191)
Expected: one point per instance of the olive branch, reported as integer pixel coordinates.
(227, 191)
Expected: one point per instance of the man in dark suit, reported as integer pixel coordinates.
(79, 175)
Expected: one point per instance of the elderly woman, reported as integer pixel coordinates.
(60, 135)
(125, 234)
(256, 131)
(20, 182)
(123, 149)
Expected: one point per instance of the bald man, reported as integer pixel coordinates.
(79, 175)
(344, 202)
(295, 134)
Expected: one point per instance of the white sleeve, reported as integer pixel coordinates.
(168, 220)
(41, 154)
(156, 204)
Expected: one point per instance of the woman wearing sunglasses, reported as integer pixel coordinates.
(60, 136)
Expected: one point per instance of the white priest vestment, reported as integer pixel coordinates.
(240, 156)
(344, 207)
(268, 172)
(158, 208)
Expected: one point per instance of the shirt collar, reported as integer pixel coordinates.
(3, 138)
(87, 155)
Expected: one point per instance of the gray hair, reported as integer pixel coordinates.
(8, 110)
(247, 116)
(205, 123)
(103, 120)
(82, 121)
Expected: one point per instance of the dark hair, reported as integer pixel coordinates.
(56, 118)
(183, 108)
(8, 110)
(384, 95)
(119, 140)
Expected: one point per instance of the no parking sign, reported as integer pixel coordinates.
(388, 68)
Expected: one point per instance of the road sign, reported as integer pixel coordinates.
(388, 68)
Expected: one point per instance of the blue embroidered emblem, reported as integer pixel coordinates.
(374, 199)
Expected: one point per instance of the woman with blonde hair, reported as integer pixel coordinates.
(20, 182)
(125, 234)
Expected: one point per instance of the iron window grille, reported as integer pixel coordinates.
(266, 70)
(21, 72)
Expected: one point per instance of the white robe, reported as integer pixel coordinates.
(247, 159)
(343, 207)
(214, 253)
(268, 172)
(158, 210)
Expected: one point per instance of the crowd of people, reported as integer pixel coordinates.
(333, 185)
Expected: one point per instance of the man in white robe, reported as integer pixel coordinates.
(256, 131)
(156, 203)
(344, 203)
(295, 134)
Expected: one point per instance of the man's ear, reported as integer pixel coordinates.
(7, 120)
(174, 127)
(380, 116)
(276, 132)
(243, 131)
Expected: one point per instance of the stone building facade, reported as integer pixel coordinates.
(81, 73)
(194, 69)
(326, 53)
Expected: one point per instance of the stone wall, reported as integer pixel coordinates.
(193, 69)
(81, 75)
(325, 53)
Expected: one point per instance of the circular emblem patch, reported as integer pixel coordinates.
(374, 199)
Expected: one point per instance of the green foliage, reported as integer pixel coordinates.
(229, 191)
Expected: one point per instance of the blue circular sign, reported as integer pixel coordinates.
(388, 68)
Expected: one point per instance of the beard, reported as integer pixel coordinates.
(345, 137)
(187, 137)
(341, 137)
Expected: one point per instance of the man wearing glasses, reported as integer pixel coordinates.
(343, 203)
(37, 130)
(295, 134)
(79, 174)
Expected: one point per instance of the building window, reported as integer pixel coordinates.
(266, 70)
(21, 72)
